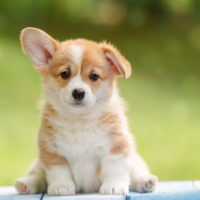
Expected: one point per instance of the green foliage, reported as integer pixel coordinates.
(56, 14)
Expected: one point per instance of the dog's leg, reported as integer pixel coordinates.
(115, 175)
(33, 182)
(58, 174)
(59, 179)
(141, 179)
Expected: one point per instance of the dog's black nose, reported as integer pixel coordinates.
(78, 94)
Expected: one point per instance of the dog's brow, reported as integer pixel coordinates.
(75, 51)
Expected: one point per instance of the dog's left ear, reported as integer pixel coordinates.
(116, 60)
(39, 46)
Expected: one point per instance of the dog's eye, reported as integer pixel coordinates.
(65, 74)
(93, 77)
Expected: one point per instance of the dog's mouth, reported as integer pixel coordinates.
(77, 104)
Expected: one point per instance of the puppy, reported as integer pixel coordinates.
(84, 142)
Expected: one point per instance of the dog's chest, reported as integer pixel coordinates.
(75, 139)
(83, 143)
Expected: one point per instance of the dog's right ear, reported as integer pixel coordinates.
(39, 46)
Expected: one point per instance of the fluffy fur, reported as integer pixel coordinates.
(83, 147)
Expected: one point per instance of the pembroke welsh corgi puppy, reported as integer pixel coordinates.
(84, 141)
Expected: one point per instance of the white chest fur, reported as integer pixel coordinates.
(83, 143)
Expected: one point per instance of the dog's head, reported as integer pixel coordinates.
(78, 74)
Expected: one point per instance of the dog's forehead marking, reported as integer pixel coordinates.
(76, 51)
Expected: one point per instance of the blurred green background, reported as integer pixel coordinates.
(161, 38)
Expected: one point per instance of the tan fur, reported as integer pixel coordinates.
(47, 157)
(50, 159)
(123, 66)
(93, 61)
(98, 172)
(121, 144)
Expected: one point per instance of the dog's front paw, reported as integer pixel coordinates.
(61, 190)
(21, 186)
(118, 188)
(24, 185)
(150, 183)
(145, 184)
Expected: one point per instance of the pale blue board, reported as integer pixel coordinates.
(9, 193)
(176, 190)
(87, 197)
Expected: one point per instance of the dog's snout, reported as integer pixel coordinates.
(78, 94)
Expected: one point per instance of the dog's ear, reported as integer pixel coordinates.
(39, 46)
(121, 66)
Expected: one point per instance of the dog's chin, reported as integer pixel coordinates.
(77, 104)
(77, 107)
